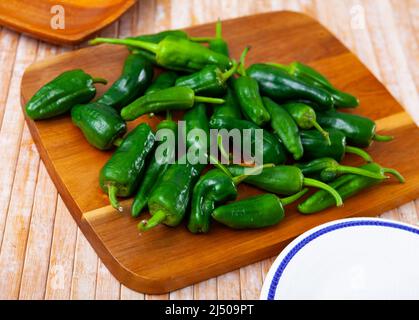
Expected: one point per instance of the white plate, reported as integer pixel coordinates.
(360, 258)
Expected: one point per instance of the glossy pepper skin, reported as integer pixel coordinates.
(61, 94)
(164, 80)
(310, 75)
(359, 131)
(176, 53)
(347, 186)
(286, 180)
(278, 85)
(218, 44)
(120, 175)
(273, 150)
(174, 98)
(305, 117)
(254, 212)
(196, 118)
(159, 36)
(247, 92)
(156, 168)
(285, 128)
(315, 146)
(101, 124)
(136, 77)
(210, 81)
(213, 188)
(230, 108)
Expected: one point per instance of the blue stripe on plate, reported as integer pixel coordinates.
(281, 268)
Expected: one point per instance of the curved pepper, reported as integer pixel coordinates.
(347, 186)
(359, 131)
(176, 53)
(305, 117)
(285, 128)
(61, 94)
(230, 108)
(248, 96)
(273, 150)
(278, 85)
(311, 76)
(119, 177)
(329, 169)
(174, 98)
(164, 80)
(315, 146)
(155, 170)
(136, 77)
(254, 212)
(210, 81)
(285, 180)
(101, 124)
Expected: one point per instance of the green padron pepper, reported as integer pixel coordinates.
(120, 175)
(136, 77)
(230, 108)
(218, 44)
(101, 124)
(61, 94)
(164, 80)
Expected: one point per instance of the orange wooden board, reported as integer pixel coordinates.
(82, 18)
(165, 258)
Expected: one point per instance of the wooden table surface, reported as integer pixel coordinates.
(43, 254)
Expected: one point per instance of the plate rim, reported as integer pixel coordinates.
(270, 285)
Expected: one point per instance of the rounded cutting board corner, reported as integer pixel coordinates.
(357, 258)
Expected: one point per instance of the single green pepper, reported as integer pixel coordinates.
(164, 80)
(347, 186)
(278, 85)
(359, 131)
(285, 128)
(329, 169)
(218, 44)
(61, 94)
(315, 146)
(312, 76)
(174, 98)
(136, 77)
(155, 170)
(176, 53)
(305, 117)
(120, 175)
(210, 81)
(285, 180)
(230, 108)
(159, 36)
(101, 124)
(272, 149)
(196, 118)
(254, 212)
(248, 96)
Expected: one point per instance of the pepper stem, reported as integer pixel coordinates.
(363, 154)
(218, 29)
(168, 115)
(154, 221)
(324, 133)
(209, 100)
(117, 142)
(100, 80)
(226, 75)
(381, 138)
(395, 173)
(219, 165)
(223, 152)
(241, 68)
(113, 199)
(360, 172)
(318, 184)
(294, 197)
(152, 47)
(240, 178)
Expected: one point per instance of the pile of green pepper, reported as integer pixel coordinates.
(305, 137)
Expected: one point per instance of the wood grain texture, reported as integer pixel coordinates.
(74, 260)
(81, 18)
(74, 165)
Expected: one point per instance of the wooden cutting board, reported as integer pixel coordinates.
(165, 258)
(61, 21)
